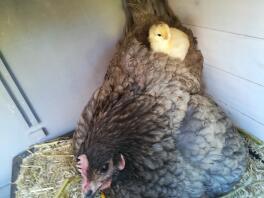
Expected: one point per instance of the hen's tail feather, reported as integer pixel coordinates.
(140, 11)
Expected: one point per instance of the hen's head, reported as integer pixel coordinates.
(98, 166)
(159, 34)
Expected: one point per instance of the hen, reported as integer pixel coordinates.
(148, 131)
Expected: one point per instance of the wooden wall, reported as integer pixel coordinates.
(231, 36)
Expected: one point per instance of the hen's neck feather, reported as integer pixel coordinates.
(130, 127)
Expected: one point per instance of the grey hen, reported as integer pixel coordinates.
(147, 131)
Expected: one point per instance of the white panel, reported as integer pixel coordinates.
(239, 55)
(31, 119)
(242, 121)
(241, 17)
(59, 53)
(244, 96)
(5, 191)
(13, 135)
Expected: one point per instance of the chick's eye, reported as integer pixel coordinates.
(104, 168)
(159, 34)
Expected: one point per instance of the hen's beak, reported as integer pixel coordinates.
(90, 191)
(89, 194)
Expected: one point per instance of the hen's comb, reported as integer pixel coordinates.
(83, 165)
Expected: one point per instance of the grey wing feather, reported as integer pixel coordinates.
(209, 142)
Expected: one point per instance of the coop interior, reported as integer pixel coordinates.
(54, 55)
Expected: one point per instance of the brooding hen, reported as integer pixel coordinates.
(147, 131)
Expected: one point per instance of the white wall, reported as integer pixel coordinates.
(59, 52)
(231, 36)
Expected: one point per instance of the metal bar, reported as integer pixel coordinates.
(17, 94)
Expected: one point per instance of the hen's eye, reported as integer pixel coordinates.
(159, 34)
(104, 168)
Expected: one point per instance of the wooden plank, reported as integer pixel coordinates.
(239, 55)
(244, 96)
(239, 17)
(242, 121)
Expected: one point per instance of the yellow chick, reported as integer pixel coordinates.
(171, 41)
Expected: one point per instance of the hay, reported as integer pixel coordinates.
(49, 171)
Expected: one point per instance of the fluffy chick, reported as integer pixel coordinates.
(168, 40)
